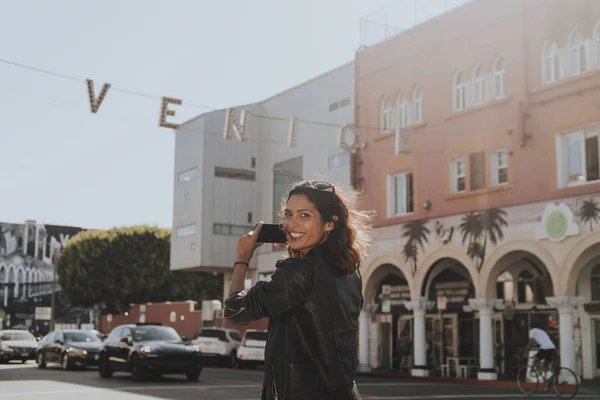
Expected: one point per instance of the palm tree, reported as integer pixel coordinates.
(492, 221)
(471, 229)
(589, 212)
(416, 233)
(410, 253)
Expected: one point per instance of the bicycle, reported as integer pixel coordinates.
(563, 380)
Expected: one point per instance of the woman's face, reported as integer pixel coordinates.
(302, 224)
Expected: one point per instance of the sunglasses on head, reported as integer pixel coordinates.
(322, 185)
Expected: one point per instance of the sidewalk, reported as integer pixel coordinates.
(588, 386)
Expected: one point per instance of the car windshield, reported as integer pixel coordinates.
(16, 336)
(256, 336)
(81, 337)
(213, 333)
(141, 333)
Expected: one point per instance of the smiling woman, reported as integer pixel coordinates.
(314, 297)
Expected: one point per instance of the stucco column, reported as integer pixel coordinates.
(565, 306)
(419, 307)
(364, 322)
(487, 370)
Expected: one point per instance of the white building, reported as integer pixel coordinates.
(224, 187)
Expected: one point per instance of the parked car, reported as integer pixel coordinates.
(70, 348)
(252, 350)
(17, 345)
(219, 344)
(142, 349)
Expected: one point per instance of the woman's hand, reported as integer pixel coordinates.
(247, 244)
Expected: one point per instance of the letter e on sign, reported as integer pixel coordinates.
(164, 112)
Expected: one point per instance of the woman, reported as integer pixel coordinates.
(313, 298)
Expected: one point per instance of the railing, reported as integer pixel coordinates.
(399, 16)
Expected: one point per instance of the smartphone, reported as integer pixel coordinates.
(271, 233)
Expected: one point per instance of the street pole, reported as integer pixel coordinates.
(52, 298)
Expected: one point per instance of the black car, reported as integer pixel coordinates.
(17, 345)
(142, 349)
(69, 347)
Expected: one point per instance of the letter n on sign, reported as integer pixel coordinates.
(240, 129)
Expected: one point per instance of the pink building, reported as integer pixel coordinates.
(482, 163)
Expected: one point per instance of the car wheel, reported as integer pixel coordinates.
(137, 372)
(240, 364)
(103, 369)
(65, 363)
(193, 375)
(41, 360)
(251, 366)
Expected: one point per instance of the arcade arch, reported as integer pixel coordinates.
(385, 291)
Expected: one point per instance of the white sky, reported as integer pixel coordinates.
(61, 164)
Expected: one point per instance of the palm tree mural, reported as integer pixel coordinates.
(589, 212)
(492, 222)
(416, 233)
(470, 228)
(480, 227)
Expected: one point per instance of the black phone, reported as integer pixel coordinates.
(271, 233)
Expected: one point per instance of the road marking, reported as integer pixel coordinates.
(58, 390)
(459, 396)
(225, 385)
(17, 366)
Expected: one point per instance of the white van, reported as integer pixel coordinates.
(252, 350)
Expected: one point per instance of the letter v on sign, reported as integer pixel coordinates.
(96, 102)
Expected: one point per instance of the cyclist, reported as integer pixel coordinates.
(547, 349)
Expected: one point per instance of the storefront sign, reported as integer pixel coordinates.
(43, 313)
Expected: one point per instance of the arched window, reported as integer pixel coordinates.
(417, 105)
(11, 279)
(401, 111)
(577, 53)
(19, 282)
(551, 65)
(595, 282)
(385, 117)
(478, 85)
(460, 92)
(597, 44)
(499, 73)
(27, 283)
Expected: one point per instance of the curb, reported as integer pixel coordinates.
(457, 381)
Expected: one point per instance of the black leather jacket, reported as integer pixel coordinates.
(312, 336)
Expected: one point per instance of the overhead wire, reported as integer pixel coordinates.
(183, 127)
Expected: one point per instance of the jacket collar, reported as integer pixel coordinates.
(317, 251)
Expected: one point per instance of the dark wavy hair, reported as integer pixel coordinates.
(347, 244)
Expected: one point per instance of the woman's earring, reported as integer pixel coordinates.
(327, 233)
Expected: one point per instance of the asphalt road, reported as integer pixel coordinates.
(27, 382)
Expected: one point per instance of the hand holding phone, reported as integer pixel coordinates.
(271, 233)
